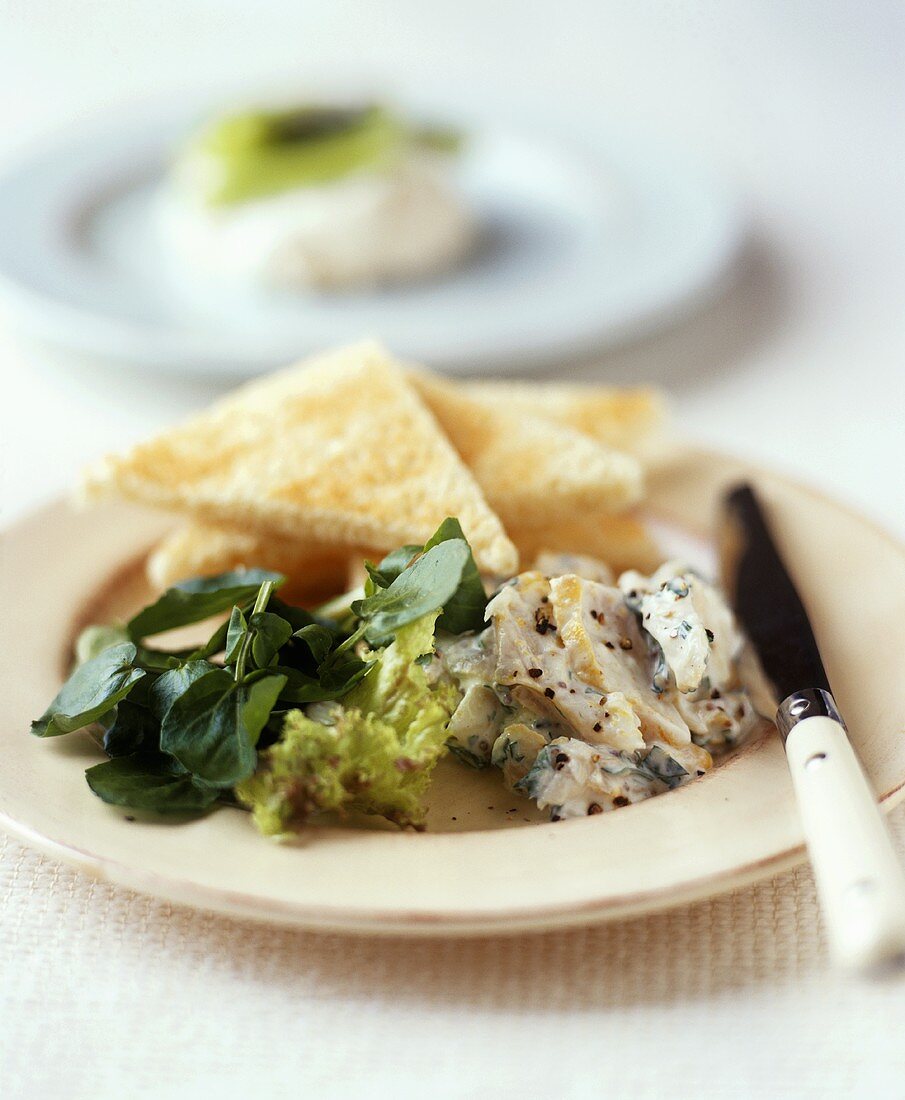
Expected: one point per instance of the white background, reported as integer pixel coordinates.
(801, 362)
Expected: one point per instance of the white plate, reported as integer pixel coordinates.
(579, 252)
(483, 866)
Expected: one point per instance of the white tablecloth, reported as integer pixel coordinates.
(107, 994)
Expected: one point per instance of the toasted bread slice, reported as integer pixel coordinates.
(339, 449)
(629, 419)
(530, 469)
(622, 542)
(313, 571)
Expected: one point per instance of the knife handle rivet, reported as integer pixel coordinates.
(815, 761)
(799, 706)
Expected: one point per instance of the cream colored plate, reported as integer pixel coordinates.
(474, 871)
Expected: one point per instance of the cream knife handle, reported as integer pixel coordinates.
(860, 881)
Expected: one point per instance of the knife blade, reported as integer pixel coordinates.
(765, 599)
(860, 880)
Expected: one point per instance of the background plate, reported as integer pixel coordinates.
(735, 825)
(579, 251)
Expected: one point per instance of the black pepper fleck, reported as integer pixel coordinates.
(620, 800)
(595, 808)
(597, 727)
(542, 623)
(549, 692)
(535, 672)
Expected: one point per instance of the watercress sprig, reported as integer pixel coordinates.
(182, 727)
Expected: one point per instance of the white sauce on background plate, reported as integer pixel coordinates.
(365, 229)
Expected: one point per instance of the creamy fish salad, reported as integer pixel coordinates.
(589, 692)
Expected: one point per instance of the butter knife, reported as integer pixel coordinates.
(860, 880)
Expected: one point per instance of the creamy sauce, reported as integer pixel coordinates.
(367, 228)
(590, 696)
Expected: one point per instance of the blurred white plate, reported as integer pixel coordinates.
(578, 252)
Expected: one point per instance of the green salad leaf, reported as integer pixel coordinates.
(464, 610)
(147, 782)
(271, 633)
(93, 689)
(194, 600)
(319, 640)
(93, 640)
(169, 686)
(422, 587)
(236, 630)
(383, 574)
(374, 754)
(133, 727)
(213, 726)
(184, 727)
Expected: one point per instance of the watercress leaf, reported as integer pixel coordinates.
(145, 781)
(297, 616)
(259, 699)
(392, 565)
(167, 688)
(271, 633)
(95, 639)
(235, 633)
(212, 727)
(141, 689)
(341, 673)
(93, 689)
(202, 730)
(466, 607)
(421, 587)
(301, 688)
(133, 728)
(256, 674)
(158, 660)
(318, 639)
(193, 600)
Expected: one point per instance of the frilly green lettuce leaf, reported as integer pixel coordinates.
(373, 753)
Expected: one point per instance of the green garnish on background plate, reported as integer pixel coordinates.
(258, 153)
